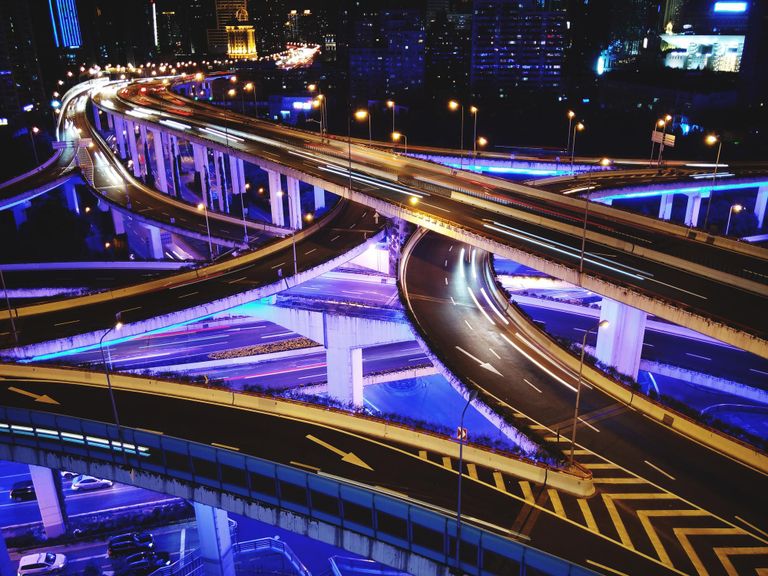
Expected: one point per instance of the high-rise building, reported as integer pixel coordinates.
(21, 88)
(226, 11)
(241, 38)
(448, 50)
(269, 17)
(65, 24)
(517, 45)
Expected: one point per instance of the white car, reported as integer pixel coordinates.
(41, 563)
(83, 482)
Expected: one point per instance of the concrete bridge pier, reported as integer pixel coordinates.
(110, 122)
(118, 222)
(161, 176)
(276, 198)
(294, 203)
(120, 134)
(200, 157)
(49, 500)
(70, 196)
(319, 198)
(19, 212)
(761, 200)
(134, 149)
(692, 209)
(97, 119)
(215, 540)
(665, 206)
(6, 568)
(620, 344)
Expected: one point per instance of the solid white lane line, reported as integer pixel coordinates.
(697, 356)
(659, 470)
(531, 385)
(310, 251)
(588, 424)
(474, 299)
(278, 265)
(494, 353)
(552, 374)
(67, 322)
(186, 295)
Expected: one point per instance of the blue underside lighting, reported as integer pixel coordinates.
(704, 190)
(730, 6)
(507, 170)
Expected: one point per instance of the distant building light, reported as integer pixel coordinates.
(585, 100)
(3, 121)
(55, 104)
(600, 68)
(302, 105)
(730, 6)
(28, 108)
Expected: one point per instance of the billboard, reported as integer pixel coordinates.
(720, 53)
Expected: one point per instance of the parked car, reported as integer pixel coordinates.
(23, 490)
(130, 543)
(143, 563)
(41, 563)
(84, 482)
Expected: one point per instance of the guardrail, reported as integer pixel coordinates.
(401, 523)
(274, 545)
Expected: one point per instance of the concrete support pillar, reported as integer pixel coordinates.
(121, 134)
(276, 198)
(118, 222)
(215, 541)
(760, 204)
(344, 361)
(692, 209)
(49, 500)
(97, 119)
(161, 177)
(620, 344)
(319, 198)
(144, 148)
(171, 148)
(110, 121)
(6, 567)
(234, 175)
(241, 174)
(665, 206)
(217, 173)
(154, 242)
(70, 196)
(200, 156)
(294, 203)
(130, 128)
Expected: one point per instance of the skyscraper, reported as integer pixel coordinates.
(226, 11)
(21, 87)
(517, 45)
(241, 40)
(65, 24)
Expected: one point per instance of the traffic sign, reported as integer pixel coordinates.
(659, 137)
(461, 433)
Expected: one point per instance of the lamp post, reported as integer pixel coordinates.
(710, 141)
(666, 121)
(397, 136)
(601, 324)
(571, 116)
(249, 87)
(117, 326)
(312, 88)
(361, 115)
(735, 208)
(473, 110)
(658, 124)
(32, 133)
(461, 436)
(578, 128)
(202, 207)
(391, 106)
(454, 105)
(231, 93)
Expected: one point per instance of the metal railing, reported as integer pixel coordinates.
(397, 522)
(274, 545)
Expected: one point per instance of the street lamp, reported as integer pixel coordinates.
(397, 136)
(711, 140)
(735, 208)
(203, 208)
(454, 105)
(312, 88)
(462, 437)
(571, 116)
(658, 124)
(249, 87)
(361, 115)
(482, 142)
(473, 110)
(663, 124)
(600, 324)
(118, 325)
(578, 128)
(32, 133)
(391, 106)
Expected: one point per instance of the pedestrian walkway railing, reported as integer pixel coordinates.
(274, 545)
(398, 522)
(189, 564)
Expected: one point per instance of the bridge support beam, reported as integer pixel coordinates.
(131, 129)
(620, 344)
(118, 222)
(6, 568)
(97, 119)
(220, 174)
(215, 541)
(276, 198)
(344, 360)
(70, 196)
(761, 201)
(319, 198)
(20, 213)
(200, 157)
(49, 500)
(294, 203)
(154, 242)
(665, 206)
(120, 134)
(692, 209)
(161, 177)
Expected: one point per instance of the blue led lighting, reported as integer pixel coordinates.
(506, 170)
(704, 190)
(730, 6)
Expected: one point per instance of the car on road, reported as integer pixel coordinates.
(130, 543)
(67, 475)
(41, 563)
(23, 490)
(143, 563)
(84, 482)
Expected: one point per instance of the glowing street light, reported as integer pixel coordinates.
(117, 326)
(397, 136)
(734, 209)
(578, 128)
(391, 106)
(249, 87)
(203, 208)
(361, 115)
(571, 116)
(473, 110)
(711, 140)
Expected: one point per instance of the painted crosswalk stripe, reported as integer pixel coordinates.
(557, 504)
(587, 512)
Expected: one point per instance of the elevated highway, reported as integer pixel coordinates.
(708, 284)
